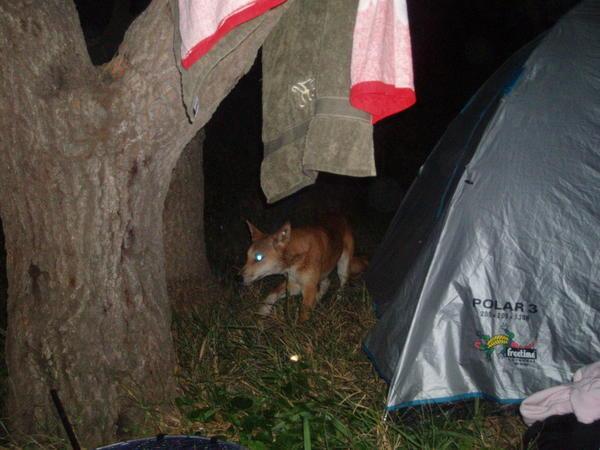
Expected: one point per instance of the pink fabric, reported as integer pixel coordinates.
(585, 397)
(382, 73)
(582, 397)
(202, 23)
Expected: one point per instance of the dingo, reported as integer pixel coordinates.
(306, 256)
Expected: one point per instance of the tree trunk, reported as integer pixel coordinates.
(86, 157)
(187, 270)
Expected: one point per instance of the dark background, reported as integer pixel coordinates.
(457, 44)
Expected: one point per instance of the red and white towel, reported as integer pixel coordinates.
(381, 72)
(202, 23)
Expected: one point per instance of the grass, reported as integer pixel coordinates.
(277, 384)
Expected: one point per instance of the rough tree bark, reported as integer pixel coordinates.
(86, 156)
(186, 265)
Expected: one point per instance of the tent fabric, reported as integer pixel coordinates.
(487, 283)
(309, 124)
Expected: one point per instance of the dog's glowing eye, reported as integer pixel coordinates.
(258, 257)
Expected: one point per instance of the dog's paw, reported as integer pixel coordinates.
(304, 315)
(265, 310)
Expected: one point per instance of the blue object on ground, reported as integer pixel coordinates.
(173, 442)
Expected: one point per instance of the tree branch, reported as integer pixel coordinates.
(148, 75)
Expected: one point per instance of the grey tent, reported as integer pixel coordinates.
(487, 283)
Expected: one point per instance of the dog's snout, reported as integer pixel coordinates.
(239, 278)
(243, 277)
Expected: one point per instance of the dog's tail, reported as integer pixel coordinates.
(358, 264)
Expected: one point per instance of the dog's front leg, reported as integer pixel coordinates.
(323, 287)
(276, 294)
(309, 298)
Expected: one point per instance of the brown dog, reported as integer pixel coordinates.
(306, 256)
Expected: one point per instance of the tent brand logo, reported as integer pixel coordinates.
(522, 353)
(509, 348)
(517, 307)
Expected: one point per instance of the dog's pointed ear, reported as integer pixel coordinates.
(282, 236)
(255, 233)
